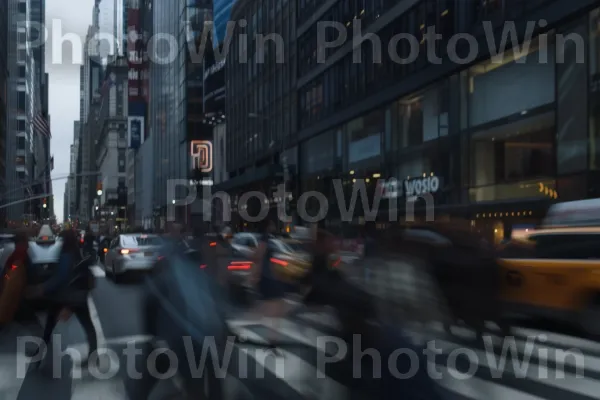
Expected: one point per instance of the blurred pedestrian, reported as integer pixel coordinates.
(59, 293)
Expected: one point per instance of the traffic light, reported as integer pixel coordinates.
(45, 203)
(99, 188)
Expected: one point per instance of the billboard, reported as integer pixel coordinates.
(135, 130)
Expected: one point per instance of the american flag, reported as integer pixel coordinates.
(41, 125)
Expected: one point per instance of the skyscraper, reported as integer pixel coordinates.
(4, 10)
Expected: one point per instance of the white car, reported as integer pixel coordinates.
(132, 252)
(44, 251)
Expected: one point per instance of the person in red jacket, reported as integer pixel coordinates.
(13, 306)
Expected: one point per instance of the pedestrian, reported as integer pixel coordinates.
(62, 292)
(16, 274)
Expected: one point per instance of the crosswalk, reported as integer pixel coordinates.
(530, 365)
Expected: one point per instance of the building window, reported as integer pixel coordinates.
(22, 55)
(122, 158)
(23, 8)
(20, 143)
(122, 182)
(22, 71)
(21, 102)
(21, 125)
(515, 160)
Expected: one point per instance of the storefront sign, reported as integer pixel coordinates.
(420, 186)
(410, 188)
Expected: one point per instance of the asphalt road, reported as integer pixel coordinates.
(545, 364)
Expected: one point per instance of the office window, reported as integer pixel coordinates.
(122, 160)
(22, 71)
(22, 8)
(22, 55)
(21, 37)
(21, 102)
(21, 125)
(20, 143)
(122, 182)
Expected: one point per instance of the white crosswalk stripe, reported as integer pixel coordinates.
(535, 364)
(532, 365)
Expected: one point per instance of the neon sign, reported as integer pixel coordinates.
(202, 155)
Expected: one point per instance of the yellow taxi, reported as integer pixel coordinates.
(292, 259)
(560, 278)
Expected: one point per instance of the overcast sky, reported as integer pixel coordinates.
(75, 17)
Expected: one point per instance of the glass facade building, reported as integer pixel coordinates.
(222, 14)
(502, 138)
(4, 22)
(173, 86)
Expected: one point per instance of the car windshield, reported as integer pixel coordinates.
(140, 240)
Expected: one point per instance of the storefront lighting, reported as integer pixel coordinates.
(431, 174)
(352, 172)
(376, 176)
(530, 213)
(518, 214)
(495, 230)
(424, 175)
(367, 180)
(477, 216)
(353, 180)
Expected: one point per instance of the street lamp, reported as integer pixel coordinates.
(45, 205)
(99, 192)
(173, 201)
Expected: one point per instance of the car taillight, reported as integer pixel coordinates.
(81, 241)
(202, 266)
(337, 262)
(213, 244)
(127, 251)
(279, 262)
(239, 265)
(105, 250)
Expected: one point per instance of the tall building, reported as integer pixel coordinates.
(222, 15)
(143, 163)
(465, 135)
(72, 180)
(261, 99)
(25, 106)
(91, 80)
(109, 135)
(172, 113)
(5, 7)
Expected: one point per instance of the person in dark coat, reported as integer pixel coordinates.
(68, 289)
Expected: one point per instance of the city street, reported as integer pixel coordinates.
(548, 365)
